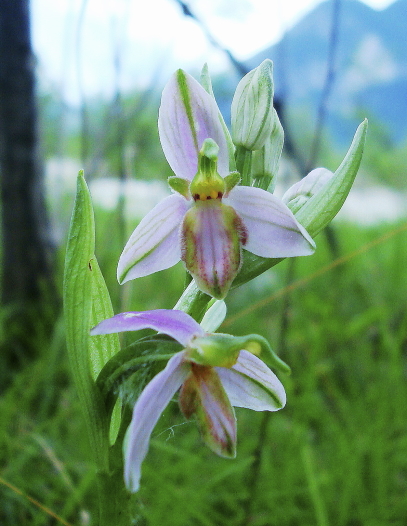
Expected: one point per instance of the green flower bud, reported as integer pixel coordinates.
(252, 108)
(265, 161)
(298, 194)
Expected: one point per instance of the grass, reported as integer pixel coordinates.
(334, 456)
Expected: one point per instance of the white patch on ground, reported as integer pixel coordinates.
(366, 205)
(140, 196)
(372, 205)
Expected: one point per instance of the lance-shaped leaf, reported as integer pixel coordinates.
(104, 347)
(325, 204)
(78, 319)
(318, 211)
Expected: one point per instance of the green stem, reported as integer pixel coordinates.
(243, 164)
(113, 499)
(193, 301)
(262, 181)
(254, 473)
(313, 486)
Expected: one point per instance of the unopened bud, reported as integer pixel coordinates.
(298, 194)
(252, 108)
(265, 161)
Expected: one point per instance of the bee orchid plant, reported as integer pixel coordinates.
(226, 226)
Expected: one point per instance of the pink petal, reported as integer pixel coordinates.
(203, 397)
(273, 231)
(212, 234)
(154, 244)
(147, 410)
(251, 384)
(175, 323)
(188, 115)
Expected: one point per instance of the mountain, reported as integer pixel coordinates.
(370, 66)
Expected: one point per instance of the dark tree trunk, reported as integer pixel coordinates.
(26, 268)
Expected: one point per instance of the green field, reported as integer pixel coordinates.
(335, 455)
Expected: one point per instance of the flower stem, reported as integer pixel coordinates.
(243, 164)
(193, 301)
(254, 474)
(313, 487)
(113, 499)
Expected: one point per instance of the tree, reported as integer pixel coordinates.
(26, 248)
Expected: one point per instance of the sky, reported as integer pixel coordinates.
(94, 47)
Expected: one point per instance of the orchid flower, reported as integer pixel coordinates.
(208, 219)
(214, 372)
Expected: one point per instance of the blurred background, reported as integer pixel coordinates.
(80, 87)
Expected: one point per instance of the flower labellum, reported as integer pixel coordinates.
(214, 372)
(209, 219)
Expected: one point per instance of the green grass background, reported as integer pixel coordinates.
(335, 455)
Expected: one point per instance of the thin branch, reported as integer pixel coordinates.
(327, 88)
(241, 68)
(254, 474)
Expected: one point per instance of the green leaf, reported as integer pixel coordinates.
(104, 346)
(115, 421)
(77, 295)
(128, 371)
(319, 209)
(325, 204)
